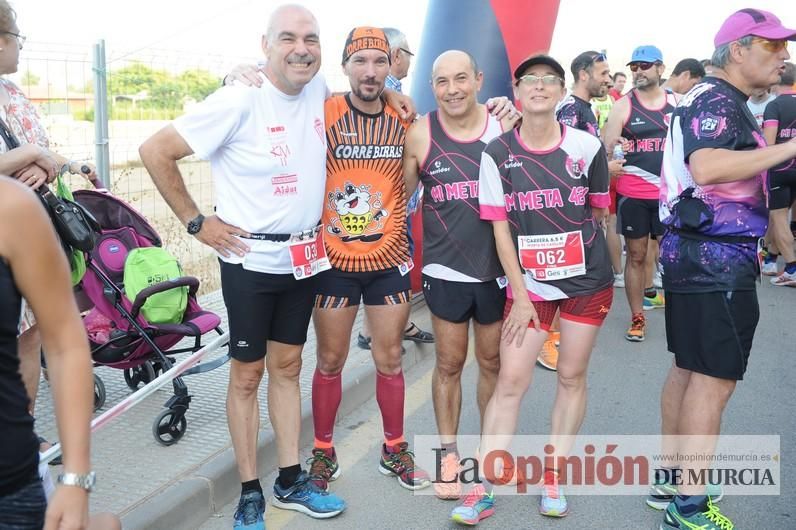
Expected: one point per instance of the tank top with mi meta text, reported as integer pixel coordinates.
(457, 244)
(645, 129)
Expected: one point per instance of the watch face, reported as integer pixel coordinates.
(195, 225)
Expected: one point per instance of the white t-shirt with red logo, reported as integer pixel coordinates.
(267, 153)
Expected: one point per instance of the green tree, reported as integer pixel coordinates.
(30, 79)
(135, 78)
(198, 83)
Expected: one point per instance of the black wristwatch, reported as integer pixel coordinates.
(195, 224)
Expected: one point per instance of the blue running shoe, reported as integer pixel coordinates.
(710, 519)
(661, 495)
(307, 498)
(250, 512)
(477, 505)
(553, 502)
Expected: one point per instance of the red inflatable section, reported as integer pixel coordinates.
(527, 27)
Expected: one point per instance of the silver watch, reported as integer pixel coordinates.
(86, 481)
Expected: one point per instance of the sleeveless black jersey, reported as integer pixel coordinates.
(18, 451)
(646, 130)
(454, 236)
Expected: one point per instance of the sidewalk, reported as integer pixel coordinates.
(151, 486)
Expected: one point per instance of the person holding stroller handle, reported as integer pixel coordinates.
(33, 265)
(33, 164)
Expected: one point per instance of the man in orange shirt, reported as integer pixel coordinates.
(364, 217)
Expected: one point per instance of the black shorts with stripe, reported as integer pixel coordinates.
(336, 288)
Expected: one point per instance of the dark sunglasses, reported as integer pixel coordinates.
(635, 67)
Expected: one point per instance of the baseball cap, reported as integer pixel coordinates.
(365, 38)
(646, 54)
(752, 22)
(533, 60)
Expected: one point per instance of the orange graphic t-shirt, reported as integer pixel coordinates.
(364, 213)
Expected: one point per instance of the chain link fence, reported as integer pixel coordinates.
(146, 89)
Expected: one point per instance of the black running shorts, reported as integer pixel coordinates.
(711, 333)
(460, 301)
(637, 218)
(336, 289)
(263, 307)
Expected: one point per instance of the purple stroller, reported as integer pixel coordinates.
(119, 335)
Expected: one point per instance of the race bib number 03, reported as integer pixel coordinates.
(553, 256)
(308, 256)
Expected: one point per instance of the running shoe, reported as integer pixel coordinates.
(710, 519)
(449, 488)
(786, 279)
(307, 498)
(477, 506)
(323, 467)
(661, 495)
(769, 268)
(400, 462)
(638, 328)
(553, 502)
(363, 342)
(619, 280)
(548, 357)
(250, 512)
(654, 303)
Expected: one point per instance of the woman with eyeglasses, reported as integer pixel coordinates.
(544, 188)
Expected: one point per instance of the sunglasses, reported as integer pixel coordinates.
(635, 67)
(531, 80)
(407, 52)
(599, 58)
(774, 46)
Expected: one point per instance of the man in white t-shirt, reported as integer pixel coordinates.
(266, 147)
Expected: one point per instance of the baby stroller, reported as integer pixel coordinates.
(119, 335)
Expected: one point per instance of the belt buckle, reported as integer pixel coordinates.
(305, 234)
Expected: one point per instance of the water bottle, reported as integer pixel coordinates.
(618, 153)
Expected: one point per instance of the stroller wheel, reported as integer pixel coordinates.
(99, 393)
(135, 376)
(169, 427)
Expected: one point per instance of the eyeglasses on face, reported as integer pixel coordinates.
(20, 38)
(531, 80)
(635, 67)
(774, 46)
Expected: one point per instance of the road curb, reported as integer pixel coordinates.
(190, 500)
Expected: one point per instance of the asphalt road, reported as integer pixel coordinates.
(624, 385)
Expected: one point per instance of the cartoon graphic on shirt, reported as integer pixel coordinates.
(358, 212)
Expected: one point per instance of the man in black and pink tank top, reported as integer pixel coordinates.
(639, 121)
(462, 276)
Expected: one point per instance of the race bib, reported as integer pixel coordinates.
(406, 267)
(552, 256)
(308, 254)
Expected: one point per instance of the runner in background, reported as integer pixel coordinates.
(779, 126)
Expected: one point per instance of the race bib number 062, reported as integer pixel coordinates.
(552, 256)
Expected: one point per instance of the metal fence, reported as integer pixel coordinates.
(143, 91)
